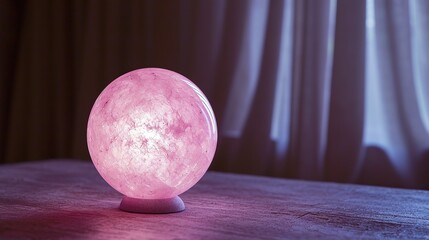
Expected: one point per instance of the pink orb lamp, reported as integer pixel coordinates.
(152, 135)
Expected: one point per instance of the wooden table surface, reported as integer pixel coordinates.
(68, 199)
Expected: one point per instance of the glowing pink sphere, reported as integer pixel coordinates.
(152, 134)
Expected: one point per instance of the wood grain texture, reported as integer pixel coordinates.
(68, 200)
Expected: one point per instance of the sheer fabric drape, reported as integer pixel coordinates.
(322, 90)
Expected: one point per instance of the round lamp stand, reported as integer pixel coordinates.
(168, 205)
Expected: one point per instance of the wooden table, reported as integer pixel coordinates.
(68, 199)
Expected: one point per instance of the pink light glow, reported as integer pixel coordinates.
(152, 134)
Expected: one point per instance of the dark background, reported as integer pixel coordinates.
(57, 56)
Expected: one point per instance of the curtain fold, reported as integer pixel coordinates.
(10, 23)
(321, 90)
(395, 135)
(346, 108)
(257, 146)
(314, 37)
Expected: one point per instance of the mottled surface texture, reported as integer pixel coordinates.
(152, 134)
(69, 200)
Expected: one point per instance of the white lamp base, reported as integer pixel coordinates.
(169, 205)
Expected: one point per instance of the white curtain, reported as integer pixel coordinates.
(316, 89)
(397, 90)
(351, 97)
